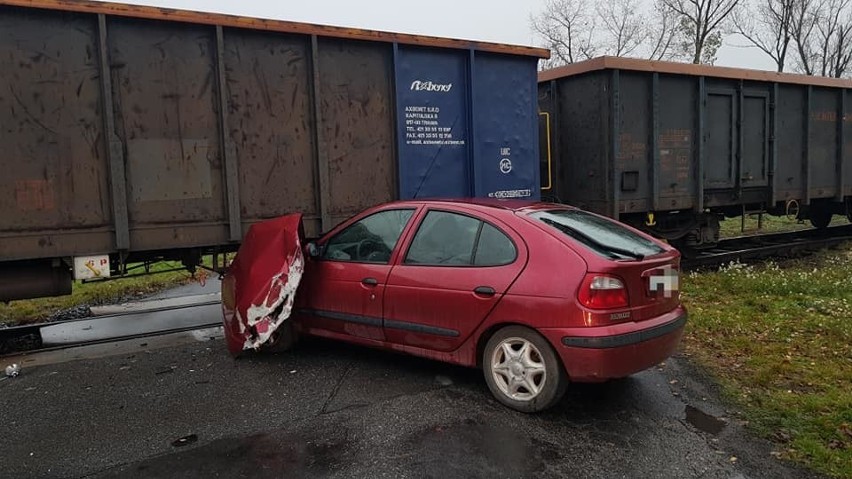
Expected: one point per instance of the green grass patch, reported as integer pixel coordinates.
(731, 227)
(96, 293)
(778, 336)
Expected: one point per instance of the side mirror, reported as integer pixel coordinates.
(313, 250)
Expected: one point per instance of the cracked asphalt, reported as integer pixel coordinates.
(329, 409)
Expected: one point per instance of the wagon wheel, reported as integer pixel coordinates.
(820, 218)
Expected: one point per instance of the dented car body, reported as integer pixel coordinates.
(536, 294)
(259, 290)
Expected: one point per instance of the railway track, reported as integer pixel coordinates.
(756, 247)
(111, 327)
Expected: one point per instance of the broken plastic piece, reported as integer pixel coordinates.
(259, 290)
(13, 370)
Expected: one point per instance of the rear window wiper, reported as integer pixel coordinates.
(583, 237)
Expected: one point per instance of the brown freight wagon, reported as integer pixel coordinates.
(135, 133)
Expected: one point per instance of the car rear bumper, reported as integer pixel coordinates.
(598, 353)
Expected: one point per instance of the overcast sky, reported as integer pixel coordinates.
(503, 21)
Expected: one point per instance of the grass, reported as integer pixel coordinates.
(732, 227)
(97, 293)
(779, 339)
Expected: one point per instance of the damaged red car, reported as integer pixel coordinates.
(536, 294)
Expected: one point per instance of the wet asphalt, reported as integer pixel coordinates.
(329, 409)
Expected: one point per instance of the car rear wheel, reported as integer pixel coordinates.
(522, 370)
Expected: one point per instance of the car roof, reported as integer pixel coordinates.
(486, 203)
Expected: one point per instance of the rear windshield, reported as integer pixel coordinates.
(603, 236)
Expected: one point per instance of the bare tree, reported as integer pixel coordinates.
(622, 24)
(568, 29)
(700, 25)
(822, 33)
(575, 30)
(834, 34)
(803, 25)
(662, 32)
(768, 25)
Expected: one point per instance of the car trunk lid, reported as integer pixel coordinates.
(648, 269)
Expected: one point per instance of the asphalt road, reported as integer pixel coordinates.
(332, 410)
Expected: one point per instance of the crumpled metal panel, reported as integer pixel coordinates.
(259, 290)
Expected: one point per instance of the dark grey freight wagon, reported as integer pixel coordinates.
(671, 148)
(133, 133)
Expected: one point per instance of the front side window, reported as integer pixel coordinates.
(450, 239)
(370, 240)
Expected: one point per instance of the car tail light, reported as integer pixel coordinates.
(601, 291)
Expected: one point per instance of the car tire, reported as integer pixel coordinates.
(522, 370)
(282, 340)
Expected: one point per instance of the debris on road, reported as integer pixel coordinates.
(443, 380)
(13, 370)
(186, 440)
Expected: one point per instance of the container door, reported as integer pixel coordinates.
(505, 150)
(719, 169)
(755, 139)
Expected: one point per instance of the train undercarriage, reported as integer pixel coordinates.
(689, 230)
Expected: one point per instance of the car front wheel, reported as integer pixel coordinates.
(282, 340)
(522, 370)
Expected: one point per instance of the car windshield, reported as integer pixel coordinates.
(601, 235)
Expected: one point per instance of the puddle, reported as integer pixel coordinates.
(475, 448)
(274, 455)
(703, 421)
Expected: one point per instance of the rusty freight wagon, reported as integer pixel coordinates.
(671, 147)
(134, 133)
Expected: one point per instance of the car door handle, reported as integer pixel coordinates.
(485, 291)
(369, 281)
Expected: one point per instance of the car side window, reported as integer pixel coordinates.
(451, 239)
(494, 248)
(369, 240)
(444, 239)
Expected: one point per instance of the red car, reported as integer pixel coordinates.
(536, 294)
